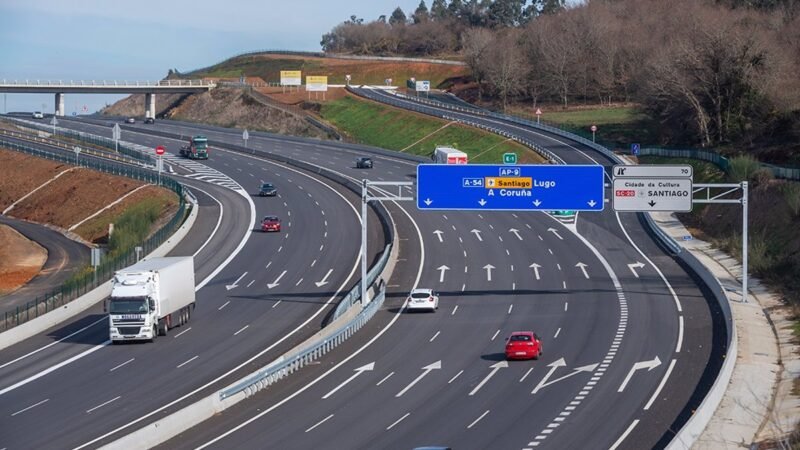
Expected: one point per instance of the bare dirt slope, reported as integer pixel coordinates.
(20, 259)
(133, 105)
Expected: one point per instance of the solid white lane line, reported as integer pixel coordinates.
(104, 319)
(680, 335)
(526, 375)
(320, 423)
(30, 407)
(277, 303)
(495, 334)
(397, 421)
(478, 419)
(624, 435)
(187, 362)
(242, 329)
(184, 331)
(660, 385)
(103, 404)
(54, 368)
(557, 331)
(510, 307)
(454, 310)
(434, 336)
(120, 365)
(456, 376)
(223, 305)
(384, 379)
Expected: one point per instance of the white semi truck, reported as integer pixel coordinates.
(150, 297)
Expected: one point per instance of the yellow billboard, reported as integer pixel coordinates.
(317, 83)
(291, 78)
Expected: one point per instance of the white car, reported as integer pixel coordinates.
(423, 299)
(37, 115)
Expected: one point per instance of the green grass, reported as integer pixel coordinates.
(133, 226)
(394, 129)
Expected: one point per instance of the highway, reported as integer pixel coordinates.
(273, 291)
(432, 379)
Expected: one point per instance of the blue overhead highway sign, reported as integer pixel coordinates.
(510, 188)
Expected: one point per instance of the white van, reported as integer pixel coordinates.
(449, 155)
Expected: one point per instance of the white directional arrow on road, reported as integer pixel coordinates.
(358, 371)
(428, 202)
(235, 283)
(553, 230)
(324, 280)
(583, 268)
(536, 268)
(636, 264)
(478, 234)
(438, 234)
(537, 202)
(441, 270)
(649, 365)
(489, 268)
(481, 202)
(495, 367)
(275, 283)
(554, 366)
(425, 370)
(516, 232)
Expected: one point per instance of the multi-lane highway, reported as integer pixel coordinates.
(628, 335)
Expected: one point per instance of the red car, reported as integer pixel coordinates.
(523, 345)
(271, 223)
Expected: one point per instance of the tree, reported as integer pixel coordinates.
(398, 17)
(439, 10)
(421, 13)
(505, 13)
(551, 6)
(476, 42)
(505, 67)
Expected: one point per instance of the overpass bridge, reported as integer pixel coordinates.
(148, 88)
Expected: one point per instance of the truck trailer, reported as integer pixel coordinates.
(150, 297)
(449, 155)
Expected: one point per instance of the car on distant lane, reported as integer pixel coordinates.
(267, 190)
(37, 115)
(130, 120)
(423, 299)
(271, 223)
(149, 120)
(523, 345)
(363, 163)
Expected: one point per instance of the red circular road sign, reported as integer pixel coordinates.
(160, 150)
(594, 128)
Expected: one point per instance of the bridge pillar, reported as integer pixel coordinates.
(150, 105)
(59, 104)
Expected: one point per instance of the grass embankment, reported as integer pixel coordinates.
(268, 67)
(617, 126)
(372, 123)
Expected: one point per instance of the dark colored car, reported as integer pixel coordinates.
(363, 163)
(267, 190)
(523, 345)
(130, 120)
(271, 223)
(149, 120)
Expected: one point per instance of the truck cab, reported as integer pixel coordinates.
(197, 148)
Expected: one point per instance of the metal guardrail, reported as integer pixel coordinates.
(354, 295)
(87, 281)
(107, 83)
(275, 372)
(132, 150)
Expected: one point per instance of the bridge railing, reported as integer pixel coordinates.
(106, 83)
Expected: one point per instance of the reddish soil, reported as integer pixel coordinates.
(20, 259)
(73, 197)
(36, 171)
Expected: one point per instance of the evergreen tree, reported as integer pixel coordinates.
(505, 13)
(421, 13)
(551, 6)
(439, 10)
(398, 17)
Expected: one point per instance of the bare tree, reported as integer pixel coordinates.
(505, 67)
(476, 43)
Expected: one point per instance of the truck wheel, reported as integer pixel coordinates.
(155, 334)
(162, 327)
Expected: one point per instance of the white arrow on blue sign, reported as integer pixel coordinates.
(510, 188)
